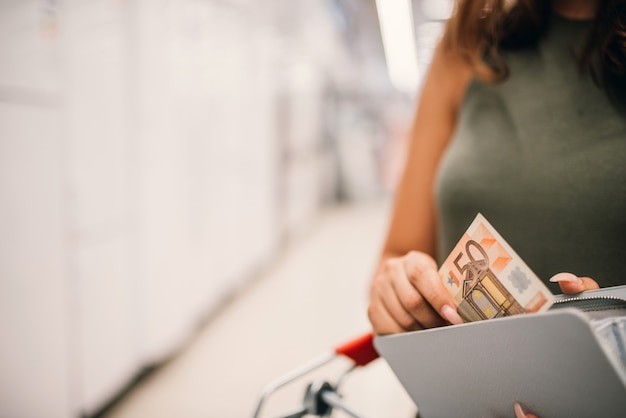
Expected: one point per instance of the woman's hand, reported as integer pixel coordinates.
(570, 283)
(519, 412)
(407, 295)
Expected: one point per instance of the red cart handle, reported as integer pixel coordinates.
(360, 350)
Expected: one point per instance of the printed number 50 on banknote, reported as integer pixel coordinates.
(487, 279)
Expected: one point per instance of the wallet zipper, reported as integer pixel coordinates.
(591, 303)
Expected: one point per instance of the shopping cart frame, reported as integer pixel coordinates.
(321, 397)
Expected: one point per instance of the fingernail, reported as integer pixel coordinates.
(449, 313)
(519, 412)
(566, 277)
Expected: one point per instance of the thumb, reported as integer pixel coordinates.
(570, 283)
(519, 412)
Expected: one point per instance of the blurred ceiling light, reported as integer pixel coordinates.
(395, 18)
(437, 9)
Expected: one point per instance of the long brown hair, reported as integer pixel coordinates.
(479, 30)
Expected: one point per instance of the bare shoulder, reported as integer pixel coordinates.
(440, 99)
(447, 79)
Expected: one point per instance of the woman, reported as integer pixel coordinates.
(521, 118)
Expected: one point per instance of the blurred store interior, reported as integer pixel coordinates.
(193, 196)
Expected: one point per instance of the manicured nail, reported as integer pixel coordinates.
(519, 412)
(449, 313)
(566, 278)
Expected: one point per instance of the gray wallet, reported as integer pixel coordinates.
(567, 362)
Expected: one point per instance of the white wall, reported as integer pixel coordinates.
(142, 179)
(33, 298)
(33, 235)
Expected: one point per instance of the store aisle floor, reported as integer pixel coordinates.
(312, 298)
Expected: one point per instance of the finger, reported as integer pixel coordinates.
(519, 412)
(570, 283)
(404, 319)
(422, 273)
(381, 320)
(419, 309)
(398, 310)
(393, 272)
(412, 303)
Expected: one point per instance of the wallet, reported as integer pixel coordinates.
(567, 362)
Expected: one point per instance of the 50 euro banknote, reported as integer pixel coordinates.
(487, 279)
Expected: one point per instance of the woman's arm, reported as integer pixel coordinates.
(413, 219)
(406, 293)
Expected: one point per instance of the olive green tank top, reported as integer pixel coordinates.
(542, 156)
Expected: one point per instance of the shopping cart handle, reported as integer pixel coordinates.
(360, 350)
